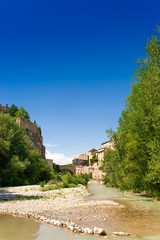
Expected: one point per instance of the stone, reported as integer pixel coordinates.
(88, 231)
(121, 234)
(99, 231)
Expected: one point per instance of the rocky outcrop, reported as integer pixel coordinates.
(34, 133)
(37, 142)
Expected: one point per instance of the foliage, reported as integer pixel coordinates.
(22, 113)
(42, 184)
(19, 162)
(39, 130)
(94, 159)
(67, 178)
(135, 164)
(13, 109)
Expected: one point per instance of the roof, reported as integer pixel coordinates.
(106, 142)
(101, 150)
(93, 150)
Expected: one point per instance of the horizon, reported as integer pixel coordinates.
(70, 65)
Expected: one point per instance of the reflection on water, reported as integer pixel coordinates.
(141, 214)
(17, 228)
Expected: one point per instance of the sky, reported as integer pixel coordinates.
(70, 64)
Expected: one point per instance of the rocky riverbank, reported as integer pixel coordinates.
(64, 207)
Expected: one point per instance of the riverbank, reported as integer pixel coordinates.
(58, 207)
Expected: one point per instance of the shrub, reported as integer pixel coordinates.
(42, 184)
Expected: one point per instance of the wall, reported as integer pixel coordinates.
(81, 162)
(83, 156)
(33, 133)
(96, 173)
(26, 124)
(108, 144)
(50, 163)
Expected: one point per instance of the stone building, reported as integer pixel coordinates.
(104, 148)
(93, 152)
(108, 144)
(82, 160)
(4, 109)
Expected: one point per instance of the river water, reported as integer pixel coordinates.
(141, 215)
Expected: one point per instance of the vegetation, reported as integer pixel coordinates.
(135, 163)
(19, 163)
(94, 159)
(22, 113)
(65, 180)
(13, 109)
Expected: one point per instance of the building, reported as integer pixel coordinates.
(101, 154)
(104, 148)
(108, 144)
(4, 109)
(82, 160)
(93, 154)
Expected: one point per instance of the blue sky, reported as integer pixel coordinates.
(70, 64)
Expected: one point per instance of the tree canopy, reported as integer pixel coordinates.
(19, 162)
(13, 109)
(135, 163)
(22, 113)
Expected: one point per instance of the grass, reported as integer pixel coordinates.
(65, 180)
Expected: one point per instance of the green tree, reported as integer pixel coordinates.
(137, 141)
(13, 109)
(22, 113)
(19, 162)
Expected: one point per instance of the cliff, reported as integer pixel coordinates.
(33, 132)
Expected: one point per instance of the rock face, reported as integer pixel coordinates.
(34, 133)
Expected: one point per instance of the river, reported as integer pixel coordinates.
(141, 215)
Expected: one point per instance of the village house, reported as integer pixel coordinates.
(103, 150)
(82, 160)
(92, 153)
(4, 109)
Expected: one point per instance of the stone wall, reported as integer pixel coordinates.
(96, 173)
(37, 142)
(26, 124)
(79, 162)
(49, 162)
(33, 133)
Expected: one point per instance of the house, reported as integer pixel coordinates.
(93, 154)
(108, 144)
(4, 109)
(104, 148)
(82, 160)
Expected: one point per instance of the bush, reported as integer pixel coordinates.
(42, 184)
(20, 163)
(83, 179)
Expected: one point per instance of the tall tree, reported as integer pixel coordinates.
(137, 141)
(13, 109)
(19, 162)
(22, 113)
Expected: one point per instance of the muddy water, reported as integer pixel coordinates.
(140, 214)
